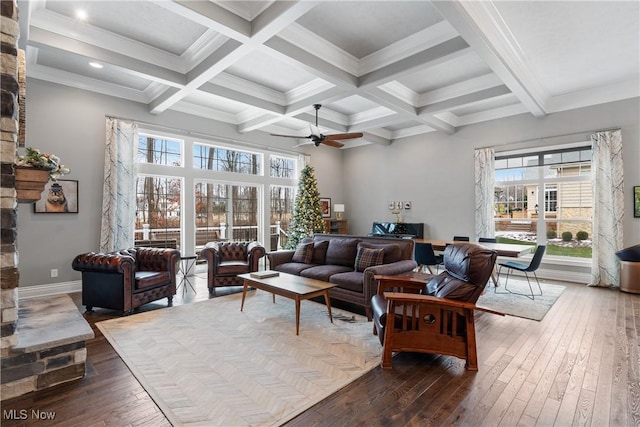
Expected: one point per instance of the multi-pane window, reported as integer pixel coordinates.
(211, 212)
(546, 197)
(158, 213)
(223, 159)
(159, 150)
(282, 167)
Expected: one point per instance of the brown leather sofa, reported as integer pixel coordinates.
(333, 261)
(436, 316)
(225, 260)
(127, 279)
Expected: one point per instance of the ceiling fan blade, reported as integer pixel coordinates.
(331, 143)
(289, 136)
(338, 136)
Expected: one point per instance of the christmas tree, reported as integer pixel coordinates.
(307, 214)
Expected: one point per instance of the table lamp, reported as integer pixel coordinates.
(339, 210)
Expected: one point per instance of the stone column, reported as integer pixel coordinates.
(10, 32)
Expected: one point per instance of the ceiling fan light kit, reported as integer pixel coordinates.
(318, 138)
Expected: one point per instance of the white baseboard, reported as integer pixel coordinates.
(28, 292)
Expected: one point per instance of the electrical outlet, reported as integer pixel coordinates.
(54, 272)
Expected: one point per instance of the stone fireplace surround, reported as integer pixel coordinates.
(42, 343)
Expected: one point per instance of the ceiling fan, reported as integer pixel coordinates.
(318, 138)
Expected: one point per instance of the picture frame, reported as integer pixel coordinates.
(60, 196)
(325, 205)
(636, 201)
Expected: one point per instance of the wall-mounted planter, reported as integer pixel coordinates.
(30, 183)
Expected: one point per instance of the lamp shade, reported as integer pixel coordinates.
(339, 210)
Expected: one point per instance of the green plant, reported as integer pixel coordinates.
(552, 234)
(567, 236)
(35, 159)
(582, 235)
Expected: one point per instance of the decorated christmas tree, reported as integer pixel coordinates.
(307, 214)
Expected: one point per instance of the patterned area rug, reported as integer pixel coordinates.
(208, 364)
(519, 305)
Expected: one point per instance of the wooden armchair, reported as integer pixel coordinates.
(436, 317)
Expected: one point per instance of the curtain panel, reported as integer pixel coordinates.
(484, 187)
(119, 196)
(608, 207)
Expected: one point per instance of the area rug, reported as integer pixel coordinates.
(208, 364)
(519, 305)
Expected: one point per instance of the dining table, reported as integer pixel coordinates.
(502, 249)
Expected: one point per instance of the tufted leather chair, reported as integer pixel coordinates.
(226, 260)
(436, 316)
(127, 279)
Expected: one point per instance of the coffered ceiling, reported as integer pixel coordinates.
(389, 69)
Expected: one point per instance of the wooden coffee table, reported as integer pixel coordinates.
(289, 286)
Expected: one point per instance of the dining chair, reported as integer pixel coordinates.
(460, 238)
(487, 240)
(526, 269)
(425, 256)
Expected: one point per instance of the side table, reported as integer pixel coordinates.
(187, 263)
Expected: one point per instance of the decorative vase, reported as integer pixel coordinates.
(30, 183)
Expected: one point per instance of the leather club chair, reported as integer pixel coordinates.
(127, 279)
(436, 316)
(225, 260)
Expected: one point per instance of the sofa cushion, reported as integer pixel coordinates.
(149, 279)
(324, 272)
(352, 280)
(231, 268)
(293, 267)
(303, 253)
(392, 253)
(320, 252)
(368, 257)
(342, 252)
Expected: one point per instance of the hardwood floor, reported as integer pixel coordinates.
(579, 366)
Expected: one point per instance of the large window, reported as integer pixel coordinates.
(545, 198)
(213, 192)
(158, 213)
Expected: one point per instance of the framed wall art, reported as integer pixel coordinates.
(325, 205)
(636, 201)
(58, 197)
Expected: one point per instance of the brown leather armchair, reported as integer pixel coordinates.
(226, 260)
(127, 279)
(436, 317)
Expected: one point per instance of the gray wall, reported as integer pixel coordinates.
(436, 171)
(433, 171)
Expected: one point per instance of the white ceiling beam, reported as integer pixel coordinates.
(471, 85)
(265, 26)
(378, 122)
(430, 57)
(463, 100)
(408, 111)
(242, 97)
(212, 16)
(43, 38)
(258, 122)
(480, 24)
(298, 57)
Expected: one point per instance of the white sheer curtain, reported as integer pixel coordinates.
(119, 197)
(484, 187)
(608, 207)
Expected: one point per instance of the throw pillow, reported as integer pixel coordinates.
(320, 252)
(368, 257)
(303, 253)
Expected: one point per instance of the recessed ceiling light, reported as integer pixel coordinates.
(96, 65)
(81, 14)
